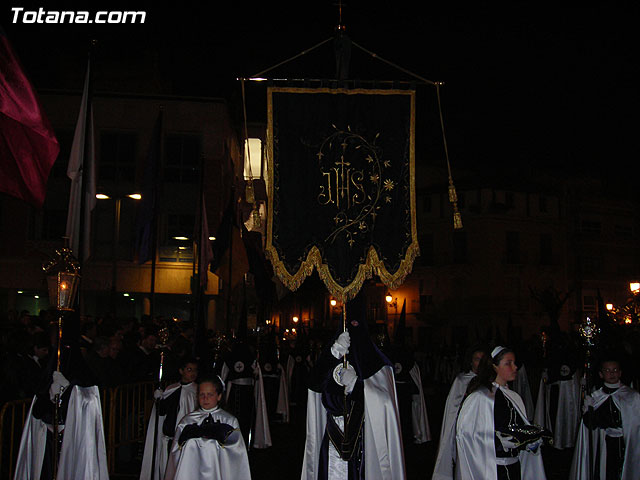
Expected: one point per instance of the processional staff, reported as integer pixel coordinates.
(589, 332)
(63, 278)
(164, 337)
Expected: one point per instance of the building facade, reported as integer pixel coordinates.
(198, 140)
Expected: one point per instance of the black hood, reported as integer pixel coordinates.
(363, 354)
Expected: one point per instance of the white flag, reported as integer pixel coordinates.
(78, 166)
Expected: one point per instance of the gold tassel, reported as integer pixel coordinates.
(457, 219)
(453, 196)
(453, 200)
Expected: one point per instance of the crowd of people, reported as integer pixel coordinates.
(362, 398)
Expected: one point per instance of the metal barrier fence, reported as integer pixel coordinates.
(125, 411)
(125, 424)
(12, 418)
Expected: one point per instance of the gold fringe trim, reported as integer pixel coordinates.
(373, 265)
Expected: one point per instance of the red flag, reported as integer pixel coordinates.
(28, 146)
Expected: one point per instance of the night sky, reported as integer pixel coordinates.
(525, 82)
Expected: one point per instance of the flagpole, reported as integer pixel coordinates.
(88, 137)
(230, 276)
(198, 316)
(154, 218)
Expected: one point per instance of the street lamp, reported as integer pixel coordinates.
(116, 240)
(392, 302)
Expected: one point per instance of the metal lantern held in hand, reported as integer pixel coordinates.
(63, 279)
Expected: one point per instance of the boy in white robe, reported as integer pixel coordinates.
(612, 418)
(171, 405)
(208, 443)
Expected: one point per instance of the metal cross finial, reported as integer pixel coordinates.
(340, 27)
(589, 331)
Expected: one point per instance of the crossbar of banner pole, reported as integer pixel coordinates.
(333, 80)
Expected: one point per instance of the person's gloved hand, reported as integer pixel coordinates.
(188, 432)
(588, 402)
(534, 446)
(157, 394)
(347, 378)
(58, 385)
(341, 346)
(216, 431)
(507, 441)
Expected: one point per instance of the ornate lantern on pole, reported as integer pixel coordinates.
(63, 287)
(63, 280)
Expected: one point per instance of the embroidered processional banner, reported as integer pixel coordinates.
(342, 192)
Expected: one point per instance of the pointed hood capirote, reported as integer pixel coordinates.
(363, 354)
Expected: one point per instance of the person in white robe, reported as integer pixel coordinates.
(559, 396)
(446, 458)
(208, 443)
(608, 445)
(170, 406)
(82, 454)
(492, 438)
(353, 422)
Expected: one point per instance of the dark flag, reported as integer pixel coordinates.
(603, 313)
(28, 146)
(343, 186)
(205, 252)
(401, 327)
(147, 208)
(223, 233)
(230, 261)
(258, 264)
(234, 262)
